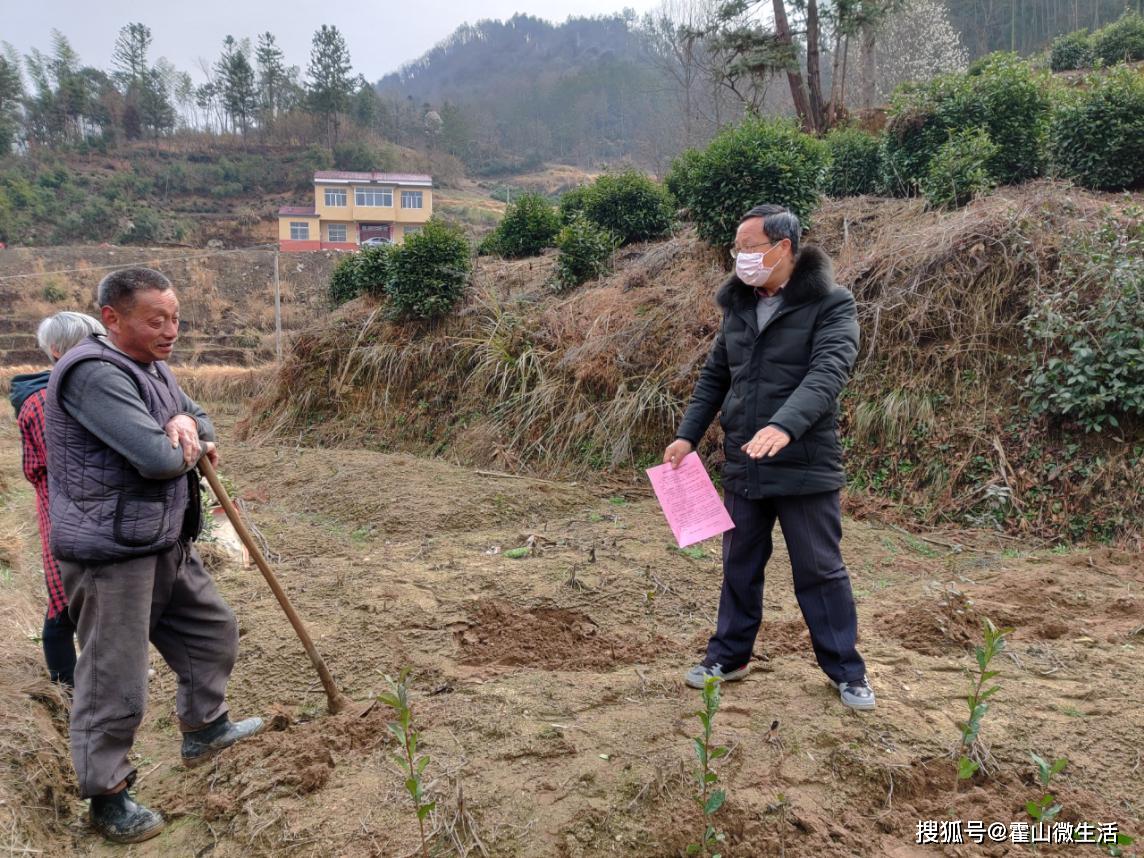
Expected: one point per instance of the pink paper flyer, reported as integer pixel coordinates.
(689, 500)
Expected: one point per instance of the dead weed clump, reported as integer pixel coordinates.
(594, 379)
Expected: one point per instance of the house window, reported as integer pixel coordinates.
(411, 199)
(299, 231)
(335, 197)
(376, 197)
(336, 232)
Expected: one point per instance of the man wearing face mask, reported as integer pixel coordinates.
(788, 342)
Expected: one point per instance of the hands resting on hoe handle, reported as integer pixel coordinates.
(183, 431)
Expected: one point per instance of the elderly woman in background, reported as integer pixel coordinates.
(56, 335)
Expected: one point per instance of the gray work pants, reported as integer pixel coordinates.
(169, 599)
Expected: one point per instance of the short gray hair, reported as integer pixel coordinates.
(65, 330)
(118, 289)
(778, 223)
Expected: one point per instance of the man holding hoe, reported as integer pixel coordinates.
(122, 443)
(788, 342)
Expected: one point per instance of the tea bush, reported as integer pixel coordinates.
(1097, 135)
(529, 225)
(1086, 339)
(757, 161)
(585, 252)
(429, 272)
(1071, 51)
(855, 163)
(1000, 93)
(960, 170)
(1120, 41)
(629, 205)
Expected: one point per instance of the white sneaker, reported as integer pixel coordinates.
(697, 676)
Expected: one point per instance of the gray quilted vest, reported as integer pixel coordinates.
(100, 507)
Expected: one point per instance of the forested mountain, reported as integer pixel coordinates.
(504, 94)
(582, 91)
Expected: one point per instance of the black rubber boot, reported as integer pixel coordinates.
(120, 819)
(200, 745)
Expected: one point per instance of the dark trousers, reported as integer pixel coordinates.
(812, 529)
(168, 599)
(58, 638)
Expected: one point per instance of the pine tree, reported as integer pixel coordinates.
(272, 78)
(129, 57)
(155, 110)
(330, 84)
(235, 84)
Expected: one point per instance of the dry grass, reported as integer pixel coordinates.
(238, 384)
(599, 378)
(941, 294)
(592, 379)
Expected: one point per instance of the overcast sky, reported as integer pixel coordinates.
(381, 36)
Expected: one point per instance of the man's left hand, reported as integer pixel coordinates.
(767, 442)
(183, 431)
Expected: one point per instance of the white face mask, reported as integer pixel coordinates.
(752, 270)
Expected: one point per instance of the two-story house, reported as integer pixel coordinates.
(352, 208)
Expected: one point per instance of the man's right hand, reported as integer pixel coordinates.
(183, 431)
(676, 451)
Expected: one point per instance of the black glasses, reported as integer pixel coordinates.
(735, 251)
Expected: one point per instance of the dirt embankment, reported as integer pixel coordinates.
(226, 297)
(549, 690)
(934, 419)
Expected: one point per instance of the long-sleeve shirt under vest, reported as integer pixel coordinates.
(105, 401)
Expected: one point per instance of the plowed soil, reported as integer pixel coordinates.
(549, 687)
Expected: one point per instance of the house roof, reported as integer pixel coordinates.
(344, 176)
(298, 211)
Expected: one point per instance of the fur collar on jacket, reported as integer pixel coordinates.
(812, 280)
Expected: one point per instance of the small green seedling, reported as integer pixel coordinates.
(516, 553)
(692, 551)
(967, 767)
(1043, 810)
(411, 766)
(1121, 840)
(707, 796)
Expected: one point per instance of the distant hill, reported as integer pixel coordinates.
(479, 58)
(512, 93)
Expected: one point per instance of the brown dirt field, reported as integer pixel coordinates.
(549, 687)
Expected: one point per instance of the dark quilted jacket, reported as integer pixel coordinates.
(101, 508)
(790, 375)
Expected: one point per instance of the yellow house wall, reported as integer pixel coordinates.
(414, 215)
(284, 222)
(351, 230)
(370, 214)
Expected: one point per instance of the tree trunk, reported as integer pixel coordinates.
(813, 72)
(867, 63)
(832, 106)
(842, 86)
(794, 75)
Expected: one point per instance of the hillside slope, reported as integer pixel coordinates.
(935, 422)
